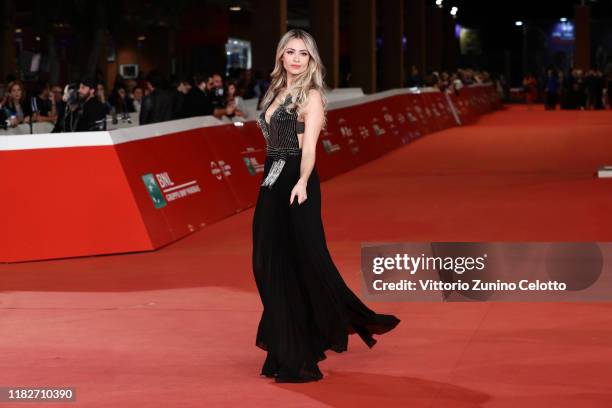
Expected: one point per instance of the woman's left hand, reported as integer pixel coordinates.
(299, 190)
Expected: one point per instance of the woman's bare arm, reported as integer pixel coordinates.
(313, 121)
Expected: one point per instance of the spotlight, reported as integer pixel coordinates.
(439, 3)
(454, 11)
(563, 20)
(518, 23)
(235, 8)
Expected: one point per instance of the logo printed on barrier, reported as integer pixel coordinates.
(252, 165)
(346, 131)
(411, 117)
(329, 146)
(154, 191)
(419, 111)
(219, 169)
(364, 132)
(163, 190)
(164, 180)
(377, 129)
(386, 115)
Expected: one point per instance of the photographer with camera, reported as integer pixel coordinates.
(83, 112)
(66, 108)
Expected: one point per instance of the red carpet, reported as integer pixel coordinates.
(176, 328)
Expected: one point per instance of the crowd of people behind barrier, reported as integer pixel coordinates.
(86, 104)
(576, 89)
(451, 82)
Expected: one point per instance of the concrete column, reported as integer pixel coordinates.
(415, 35)
(392, 50)
(363, 45)
(268, 25)
(582, 42)
(435, 37)
(451, 43)
(325, 28)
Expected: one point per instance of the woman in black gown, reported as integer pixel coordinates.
(308, 308)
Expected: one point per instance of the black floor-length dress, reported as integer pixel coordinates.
(308, 308)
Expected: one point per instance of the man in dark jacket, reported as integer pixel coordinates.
(91, 114)
(160, 104)
(197, 100)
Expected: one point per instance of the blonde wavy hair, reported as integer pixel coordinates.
(311, 78)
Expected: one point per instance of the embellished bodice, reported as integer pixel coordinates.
(281, 137)
(281, 133)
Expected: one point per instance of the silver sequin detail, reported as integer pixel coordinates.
(277, 166)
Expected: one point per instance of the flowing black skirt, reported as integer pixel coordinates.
(307, 306)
